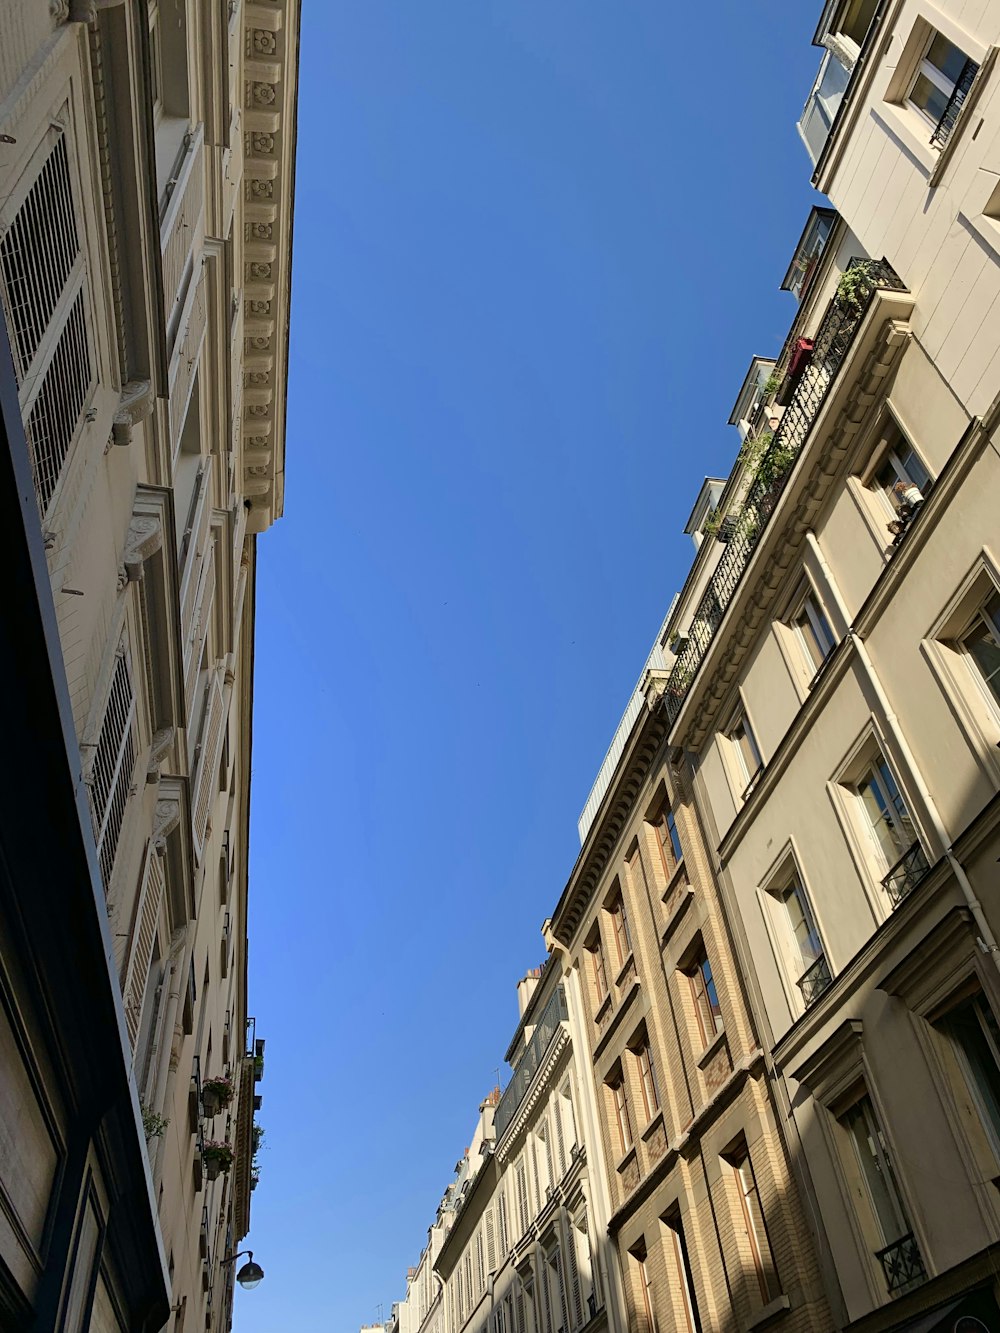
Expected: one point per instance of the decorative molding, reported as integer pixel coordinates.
(162, 741)
(135, 405)
(143, 539)
(166, 818)
(532, 1097)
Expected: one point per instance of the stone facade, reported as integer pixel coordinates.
(146, 173)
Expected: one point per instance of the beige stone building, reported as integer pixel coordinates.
(833, 690)
(146, 174)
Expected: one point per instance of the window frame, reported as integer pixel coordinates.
(623, 1113)
(646, 1069)
(991, 623)
(758, 1237)
(925, 68)
(810, 608)
(876, 767)
(618, 912)
(745, 779)
(674, 1223)
(708, 1015)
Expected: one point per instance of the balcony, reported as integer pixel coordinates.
(906, 874)
(814, 981)
(944, 127)
(833, 341)
(902, 1264)
(553, 1016)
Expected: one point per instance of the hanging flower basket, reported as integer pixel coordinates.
(218, 1158)
(216, 1094)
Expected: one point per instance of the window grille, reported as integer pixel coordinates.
(114, 762)
(37, 254)
(56, 410)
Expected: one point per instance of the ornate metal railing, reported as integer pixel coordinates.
(944, 127)
(815, 980)
(833, 340)
(906, 874)
(552, 1016)
(902, 1264)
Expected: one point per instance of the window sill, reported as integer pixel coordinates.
(676, 876)
(711, 1050)
(623, 970)
(779, 1306)
(651, 1127)
(602, 1009)
(627, 1157)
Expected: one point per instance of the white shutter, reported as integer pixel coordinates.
(209, 751)
(491, 1242)
(561, 1288)
(560, 1139)
(114, 763)
(147, 913)
(573, 1275)
(502, 1221)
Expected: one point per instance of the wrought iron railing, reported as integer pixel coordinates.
(552, 1016)
(815, 980)
(944, 127)
(906, 874)
(833, 340)
(902, 1264)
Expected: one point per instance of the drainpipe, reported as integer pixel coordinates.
(987, 939)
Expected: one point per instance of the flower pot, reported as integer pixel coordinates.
(213, 1167)
(211, 1102)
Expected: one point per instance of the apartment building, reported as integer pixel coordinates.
(519, 1244)
(832, 694)
(146, 175)
(705, 1222)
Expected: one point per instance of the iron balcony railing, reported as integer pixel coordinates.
(906, 874)
(552, 1016)
(833, 341)
(815, 980)
(944, 127)
(902, 1264)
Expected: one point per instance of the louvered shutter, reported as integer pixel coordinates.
(560, 1140)
(42, 287)
(519, 1312)
(209, 752)
(491, 1242)
(557, 1269)
(522, 1197)
(147, 914)
(546, 1299)
(549, 1157)
(502, 1222)
(573, 1274)
(114, 763)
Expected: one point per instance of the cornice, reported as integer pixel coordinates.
(648, 734)
(268, 128)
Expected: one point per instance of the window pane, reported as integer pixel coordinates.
(711, 995)
(973, 1028)
(947, 58)
(983, 645)
(877, 1172)
(886, 811)
(928, 97)
(675, 842)
(803, 930)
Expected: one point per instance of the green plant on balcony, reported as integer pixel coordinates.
(772, 384)
(153, 1125)
(774, 464)
(216, 1094)
(854, 286)
(258, 1066)
(218, 1157)
(712, 524)
(256, 1143)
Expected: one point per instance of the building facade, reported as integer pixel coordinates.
(146, 176)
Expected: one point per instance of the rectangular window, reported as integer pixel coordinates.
(667, 840)
(647, 1078)
(886, 816)
(745, 751)
(814, 633)
(756, 1229)
(877, 1173)
(115, 756)
(803, 946)
(622, 1113)
(981, 642)
(691, 1320)
(900, 477)
(623, 937)
(975, 1035)
(706, 999)
(638, 1255)
(596, 949)
(944, 73)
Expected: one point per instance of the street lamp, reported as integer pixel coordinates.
(250, 1275)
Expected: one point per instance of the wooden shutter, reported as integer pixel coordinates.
(560, 1140)
(502, 1222)
(546, 1299)
(491, 1242)
(573, 1275)
(147, 914)
(519, 1312)
(209, 750)
(522, 1197)
(560, 1288)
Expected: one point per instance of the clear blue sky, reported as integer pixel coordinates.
(536, 245)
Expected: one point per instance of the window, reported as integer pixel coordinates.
(691, 1322)
(115, 756)
(667, 840)
(803, 944)
(878, 1176)
(900, 473)
(975, 1036)
(754, 1225)
(940, 72)
(616, 1083)
(745, 751)
(623, 938)
(706, 999)
(885, 812)
(638, 1255)
(596, 950)
(981, 641)
(647, 1076)
(813, 632)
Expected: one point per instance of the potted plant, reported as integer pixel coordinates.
(216, 1093)
(218, 1158)
(153, 1125)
